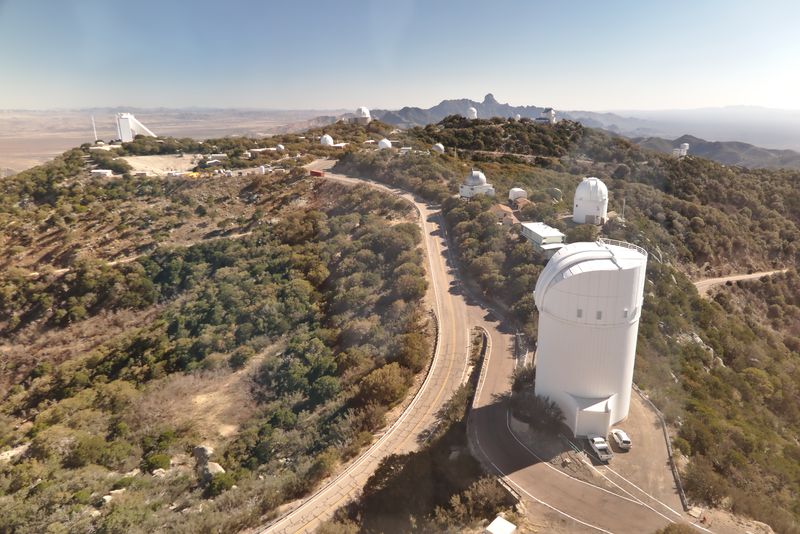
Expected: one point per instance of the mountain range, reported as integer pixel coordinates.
(653, 129)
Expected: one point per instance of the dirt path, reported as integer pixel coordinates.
(703, 286)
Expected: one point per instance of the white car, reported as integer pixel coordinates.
(621, 438)
(600, 447)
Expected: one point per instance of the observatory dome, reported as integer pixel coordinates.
(472, 113)
(384, 143)
(589, 298)
(363, 113)
(475, 177)
(516, 192)
(280, 147)
(591, 202)
(517, 117)
(326, 140)
(438, 147)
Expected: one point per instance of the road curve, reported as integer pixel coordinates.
(447, 372)
(588, 507)
(703, 286)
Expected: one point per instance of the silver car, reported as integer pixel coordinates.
(622, 439)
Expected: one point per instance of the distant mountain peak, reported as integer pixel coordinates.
(489, 99)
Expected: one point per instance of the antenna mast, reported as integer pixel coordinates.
(94, 129)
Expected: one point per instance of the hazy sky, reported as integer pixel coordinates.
(383, 54)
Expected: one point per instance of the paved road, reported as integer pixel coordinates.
(448, 371)
(703, 286)
(586, 507)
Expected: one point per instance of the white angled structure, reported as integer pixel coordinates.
(128, 127)
(589, 298)
(544, 238)
(384, 143)
(682, 151)
(591, 202)
(438, 147)
(363, 115)
(326, 140)
(475, 184)
(548, 116)
(472, 113)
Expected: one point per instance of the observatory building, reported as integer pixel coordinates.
(516, 192)
(326, 140)
(438, 147)
(128, 128)
(363, 116)
(384, 143)
(681, 152)
(591, 202)
(589, 298)
(475, 184)
(472, 113)
(548, 116)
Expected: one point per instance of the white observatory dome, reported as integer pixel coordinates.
(438, 147)
(475, 177)
(589, 298)
(517, 117)
(384, 143)
(326, 140)
(591, 202)
(281, 147)
(363, 113)
(472, 113)
(516, 192)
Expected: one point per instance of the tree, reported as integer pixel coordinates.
(385, 385)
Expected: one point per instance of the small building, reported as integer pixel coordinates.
(681, 152)
(516, 192)
(591, 202)
(280, 148)
(438, 147)
(213, 163)
(475, 184)
(520, 203)
(217, 156)
(548, 116)
(405, 150)
(504, 214)
(326, 140)
(544, 238)
(102, 173)
(500, 526)
(175, 174)
(384, 143)
(472, 113)
(363, 116)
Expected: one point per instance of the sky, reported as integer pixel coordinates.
(299, 54)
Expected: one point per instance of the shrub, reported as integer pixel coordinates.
(156, 460)
(219, 483)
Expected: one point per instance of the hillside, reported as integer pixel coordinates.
(731, 394)
(188, 354)
(726, 152)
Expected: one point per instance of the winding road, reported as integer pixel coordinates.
(579, 506)
(703, 286)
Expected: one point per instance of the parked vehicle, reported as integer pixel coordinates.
(622, 439)
(600, 447)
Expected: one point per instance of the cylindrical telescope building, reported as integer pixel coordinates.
(591, 202)
(589, 298)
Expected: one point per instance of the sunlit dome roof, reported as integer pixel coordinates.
(384, 143)
(363, 113)
(472, 113)
(326, 140)
(475, 177)
(280, 147)
(438, 147)
(591, 189)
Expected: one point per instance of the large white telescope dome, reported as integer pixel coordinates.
(326, 140)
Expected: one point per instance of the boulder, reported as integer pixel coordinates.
(159, 473)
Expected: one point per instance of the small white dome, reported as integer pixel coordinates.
(517, 117)
(516, 192)
(592, 189)
(363, 113)
(475, 177)
(438, 147)
(326, 140)
(472, 113)
(280, 147)
(384, 143)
